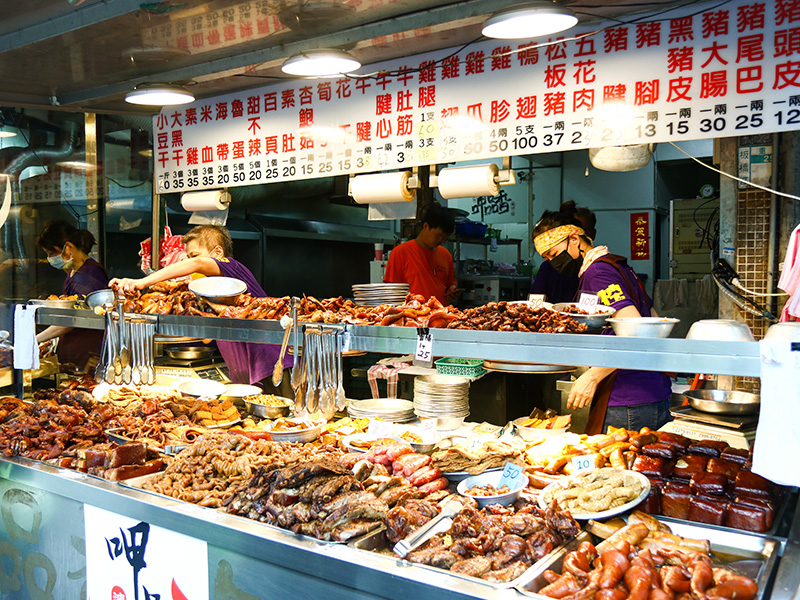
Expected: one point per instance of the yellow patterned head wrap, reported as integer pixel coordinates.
(552, 237)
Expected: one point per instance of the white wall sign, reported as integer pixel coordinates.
(133, 560)
(731, 70)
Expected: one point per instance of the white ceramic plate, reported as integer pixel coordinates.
(546, 494)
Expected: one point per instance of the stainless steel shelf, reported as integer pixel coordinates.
(685, 356)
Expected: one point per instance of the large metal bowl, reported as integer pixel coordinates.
(726, 330)
(301, 435)
(220, 290)
(267, 412)
(100, 297)
(236, 392)
(53, 303)
(188, 352)
(595, 321)
(653, 327)
(207, 388)
(723, 402)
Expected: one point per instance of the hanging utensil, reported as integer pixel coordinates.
(297, 367)
(326, 401)
(277, 372)
(136, 353)
(310, 352)
(149, 340)
(109, 375)
(341, 400)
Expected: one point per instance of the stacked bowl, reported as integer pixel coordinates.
(375, 294)
(393, 410)
(443, 398)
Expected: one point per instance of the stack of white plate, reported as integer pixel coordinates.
(374, 294)
(443, 398)
(387, 409)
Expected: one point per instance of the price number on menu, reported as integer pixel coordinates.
(511, 476)
(588, 302)
(536, 300)
(582, 463)
(424, 353)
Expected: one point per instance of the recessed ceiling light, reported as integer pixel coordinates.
(529, 21)
(319, 63)
(159, 94)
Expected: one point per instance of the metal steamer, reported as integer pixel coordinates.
(127, 355)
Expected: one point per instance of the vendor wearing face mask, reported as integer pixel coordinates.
(68, 249)
(619, 397)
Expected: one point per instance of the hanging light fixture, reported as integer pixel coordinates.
(5, 133)
(529, 20)
(159, 94)
(320, 63)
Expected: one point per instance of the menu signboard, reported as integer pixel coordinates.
(733, 69)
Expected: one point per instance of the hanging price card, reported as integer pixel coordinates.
(423, 357)
(536, 300)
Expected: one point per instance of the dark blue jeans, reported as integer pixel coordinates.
(633, 418)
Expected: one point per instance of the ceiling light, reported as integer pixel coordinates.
(5, 133)
(159, 94)
(319, 63)
(529, 21)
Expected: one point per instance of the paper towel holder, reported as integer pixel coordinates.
(208, 215)
(505, 176)
(412, 184)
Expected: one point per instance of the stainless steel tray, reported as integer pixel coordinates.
(753, 555)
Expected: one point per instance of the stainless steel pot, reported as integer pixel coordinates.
(723, 402)
(188, 352)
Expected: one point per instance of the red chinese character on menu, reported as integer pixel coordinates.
(405, 125)
(213, 37)
(427, 96)
(584, 71)
(554, 75)
(787, 74)
(382, 79)
(615, 39)
(500, 111)
(177, 138)
(191, 156)
(237, 108)
(475, 111)
(501, 58)
(474, 63)
(191, 116)
(680, 30)
(254, 146)
(363, 131)
(648, 34)
(162, 122)
(206, 154)
(237, 150)
(555, 50)
(162, 140)
(306, 143)
(362, 85)
(253, 127)
(222, 111)
(403, 100)
(177, 156)
(750, 48)
(288, 142)
(715, 23)
(163, 157)
(229, 32)
(750, 16)
(222, 151)
(787, 42)
(713, 84)
(614, 93)
(176, 119)
(679, 89)
(714, 54)
(787, 11)
(526, 107)
(646, 92)
(271, 144)
(451, 68)
(305, 95)
(450, 111)
(324, 91)
(205, 113)
(553, 103)
(583, 99)
(245, 30)
(287, 98)
(404, 75)
(306, 117)
(262, 26)
(343, 88)
(528, 54)
(680, 59)
(427, 71)
(383, 128)
(585, 46)
(383, 104)
(270, 101)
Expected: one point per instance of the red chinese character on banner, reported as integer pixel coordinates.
(450, 111)
(254, 126)
(198, 41)
(237, 150)
(646, 92)
(262, 26)
(680, 59)
(222, 151)
(501, 58)
(343, 88)
(527, 54)
(680, 30)
(404, 75)
(237, 108)
(427, 96)
(404, 100)
(177, 156)
(163, 140)
(162, 122)
(474, 63)
(554, 75)
(451, 68)
(584, 71)
(405, 125)
(287, 98)
(383, 104)
(614, 93)
(191, 116)
(213, 37)
(679, 89)
(615, 39)
(500, 111)
(191, 156)
(306, 117)
(362, 85)
(585, 46)
(583, 98)
(253, 105)
(306, 143)
(640, 236)
(288, 142)
(383, 128)
(526, 107)
(787, 10)
(205, 113)
(786, 74)
(475, 111)
(382, 79)
(714, 54)
(715, 23)
(787, 42)
(177, 138)
(305, 95)
(163, 157)
(182, 42)
(206, 154)
(324, 91)
(553, 103)
(229, 33)
(363, 131)
(750, 48)
(750, 16)
(555, 51)
(245, 30)
(222, 111)
(270, 101)
(176, 119)
(648, 34)
(427, 71)
(713, 84)
(270, 145)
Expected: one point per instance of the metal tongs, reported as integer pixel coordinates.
(424, 533)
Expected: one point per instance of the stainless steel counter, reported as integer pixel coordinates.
(688, 356)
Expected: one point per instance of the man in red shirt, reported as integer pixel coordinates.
(423, 263)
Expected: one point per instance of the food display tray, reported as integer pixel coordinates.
(377, 542)
(753, 555)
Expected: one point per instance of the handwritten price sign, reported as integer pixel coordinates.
(512, 475)
(424, 353)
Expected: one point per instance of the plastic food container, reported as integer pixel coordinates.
(491, 479)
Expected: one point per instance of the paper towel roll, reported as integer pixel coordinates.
(466, 182)
(381, 187)
(205, 200)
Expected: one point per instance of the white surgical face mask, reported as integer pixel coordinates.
(56, 261)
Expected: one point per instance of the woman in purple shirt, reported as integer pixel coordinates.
(68, 249)
(620, 397)
(210, 249)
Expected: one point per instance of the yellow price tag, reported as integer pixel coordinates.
(427, 153)
(428, 129)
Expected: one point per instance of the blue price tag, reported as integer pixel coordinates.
(511, 476)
